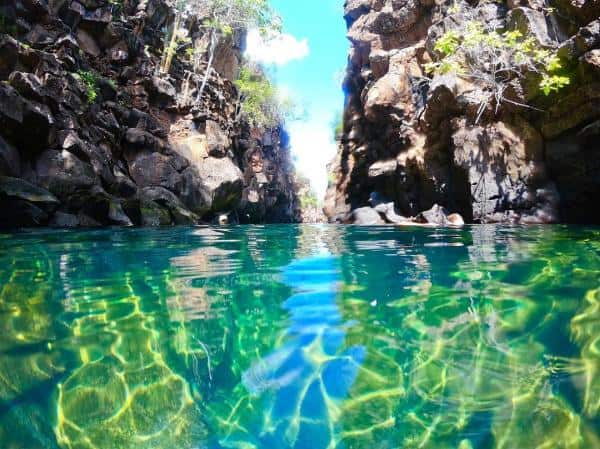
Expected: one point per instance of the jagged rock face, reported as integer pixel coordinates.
(130, 145)
(418, 140)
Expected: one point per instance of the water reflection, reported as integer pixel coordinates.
(301, 337)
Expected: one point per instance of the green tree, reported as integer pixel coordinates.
(260, 102)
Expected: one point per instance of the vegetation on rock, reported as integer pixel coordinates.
(260, 102)
(478, 52)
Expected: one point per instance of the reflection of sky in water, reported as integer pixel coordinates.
(302, 382)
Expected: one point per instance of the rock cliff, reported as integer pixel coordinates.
(418, 140)
(91, 134)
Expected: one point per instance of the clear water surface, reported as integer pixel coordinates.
(304, 337)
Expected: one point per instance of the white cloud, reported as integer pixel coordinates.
(278, 50)
(313, 148)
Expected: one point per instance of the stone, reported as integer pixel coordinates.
(379, 61)
(366, 216)
(353, 9)
(24, 204)
(88, 43)
(12, 108)
(166, 200)
(537, 24)
(384, 168)
(161, 90)
(141, 140)
(40, 37)
(591, 61)
(391, 93)
(117, 216)
(456, 220)
(119, 53)
(437, 216)
(154, 170)
(65, 175)
(193, 192)
(39, 123)
(17, 188)
(10, 161)
(28, 124)
(388, 210)
(222, 181)
(218, 142)
(28, 85)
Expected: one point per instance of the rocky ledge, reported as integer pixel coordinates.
(415, 140)
(91, 135)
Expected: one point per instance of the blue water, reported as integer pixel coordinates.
(486, 337)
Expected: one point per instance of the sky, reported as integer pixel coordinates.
(307, 63)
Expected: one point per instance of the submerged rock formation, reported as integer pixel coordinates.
(91, 132)
(419, 140)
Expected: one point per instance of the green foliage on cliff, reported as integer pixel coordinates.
(487, 57)
(227, 16)
(90, 81)
(261, 104)
(337, 125)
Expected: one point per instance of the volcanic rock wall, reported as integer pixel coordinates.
(416, 139)
(92, 134)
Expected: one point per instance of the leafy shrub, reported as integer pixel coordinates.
(90, 81)
(260, 104)
(476, 51)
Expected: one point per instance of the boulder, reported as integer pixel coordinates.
(20, 189)
(218, 142)
(28, 85)
(538, 24)
(384, 168)
(160, 90)
(24, 204)
(437, 216)
(28, 124)
(10, 162)
(155, 170)
(141, 139)
(391, 93)
(87, 43)
(193, 192)
(151, 215)
(117, 215)
(388, 210)
(65, 175)
(366, 216)
(222, 181)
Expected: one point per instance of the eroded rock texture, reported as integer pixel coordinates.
(92, 134)
(418, 140)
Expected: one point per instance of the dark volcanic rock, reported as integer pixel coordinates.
(421, 140)
(88, 119)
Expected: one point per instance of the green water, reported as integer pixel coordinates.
(302, 337)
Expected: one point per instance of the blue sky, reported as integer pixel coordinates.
(307, 64)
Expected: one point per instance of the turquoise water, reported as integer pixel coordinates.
(302, 337)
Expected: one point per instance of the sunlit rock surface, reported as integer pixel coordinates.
(85, 115)
(506, 163)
